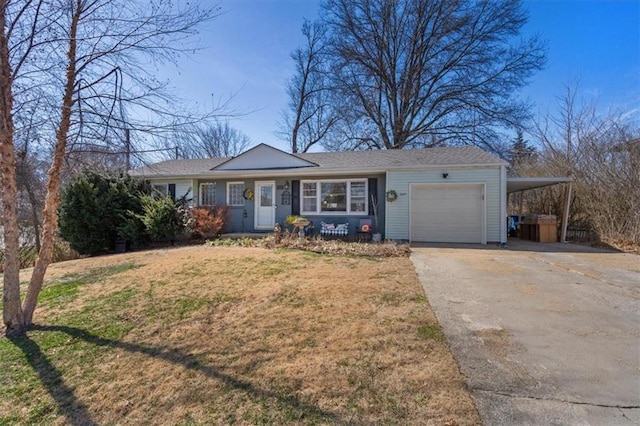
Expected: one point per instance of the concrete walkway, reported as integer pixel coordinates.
(544, 333)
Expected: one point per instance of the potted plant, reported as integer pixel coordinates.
(377, 236)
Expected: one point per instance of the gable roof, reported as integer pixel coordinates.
(349, 161)
(262, 157)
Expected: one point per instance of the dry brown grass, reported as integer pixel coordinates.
(220, 335)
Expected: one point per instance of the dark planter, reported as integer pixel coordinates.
(121, 246)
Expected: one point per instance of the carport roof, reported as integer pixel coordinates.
(517, 184)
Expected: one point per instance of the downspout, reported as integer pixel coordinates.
(386, 205)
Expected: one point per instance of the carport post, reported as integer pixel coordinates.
(503, 207)
(565, 214)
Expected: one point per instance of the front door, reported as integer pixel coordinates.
(265, 206)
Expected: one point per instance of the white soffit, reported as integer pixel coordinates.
(517, 184)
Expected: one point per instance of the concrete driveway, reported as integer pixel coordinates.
(544, 333)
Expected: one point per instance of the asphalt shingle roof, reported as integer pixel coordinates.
(402, 157)
(350, 160)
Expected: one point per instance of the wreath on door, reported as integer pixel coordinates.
(248, 194)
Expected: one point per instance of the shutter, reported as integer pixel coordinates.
(295, 197)
(172, 191)
(373, 192)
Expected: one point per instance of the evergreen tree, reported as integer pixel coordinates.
(96, 210)
(521, 153)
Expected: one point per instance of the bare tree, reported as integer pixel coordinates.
(31, 177)
(208, 140)
(310, 115)
(414, 73)
(93, 55)
(601, 152)
(12, 309)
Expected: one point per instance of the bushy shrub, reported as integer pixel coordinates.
(28, 254)
(97, 209)
(160, 217)
(62, 251)
(208, 222)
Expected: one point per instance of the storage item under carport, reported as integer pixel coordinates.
(540, 228)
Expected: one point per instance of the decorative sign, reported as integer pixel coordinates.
(286, 198)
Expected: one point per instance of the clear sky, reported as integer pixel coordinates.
(247, 56)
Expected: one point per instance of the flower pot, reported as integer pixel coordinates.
(121, 246)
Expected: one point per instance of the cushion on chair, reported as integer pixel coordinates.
(341, 230)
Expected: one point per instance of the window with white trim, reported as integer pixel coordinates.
(235, 192)
(309, 196)
(334, 196)
(208, 194)
(160, 189)
(358, 197)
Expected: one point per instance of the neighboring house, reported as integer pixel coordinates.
(455, 194)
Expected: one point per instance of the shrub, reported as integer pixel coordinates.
(160, 218)
(29, 254)
(62, 251)
(208, 222)
(96, 210)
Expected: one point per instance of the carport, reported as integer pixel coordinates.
(521, 184)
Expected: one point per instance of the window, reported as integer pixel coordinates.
(235, 192)
(309, 197)
(358, 197)
(207, 194)
(333, 197)
(160, 189)
(340, 196)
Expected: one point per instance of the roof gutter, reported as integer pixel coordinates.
(313, 171)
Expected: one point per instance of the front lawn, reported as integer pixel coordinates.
(223, 335)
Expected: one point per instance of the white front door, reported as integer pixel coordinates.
(265, 205)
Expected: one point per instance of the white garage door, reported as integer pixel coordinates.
(447, 213)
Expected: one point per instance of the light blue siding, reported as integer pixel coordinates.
(397, 217)
(183, 187)
(241, 218)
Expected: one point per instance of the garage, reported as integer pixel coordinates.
(447, 213)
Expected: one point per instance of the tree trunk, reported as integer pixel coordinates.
(52, 200)
(34, 212)
(36, 225)
(12, 311)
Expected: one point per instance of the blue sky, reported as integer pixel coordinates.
(247, 56)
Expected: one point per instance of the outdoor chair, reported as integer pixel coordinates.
(364, 230)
